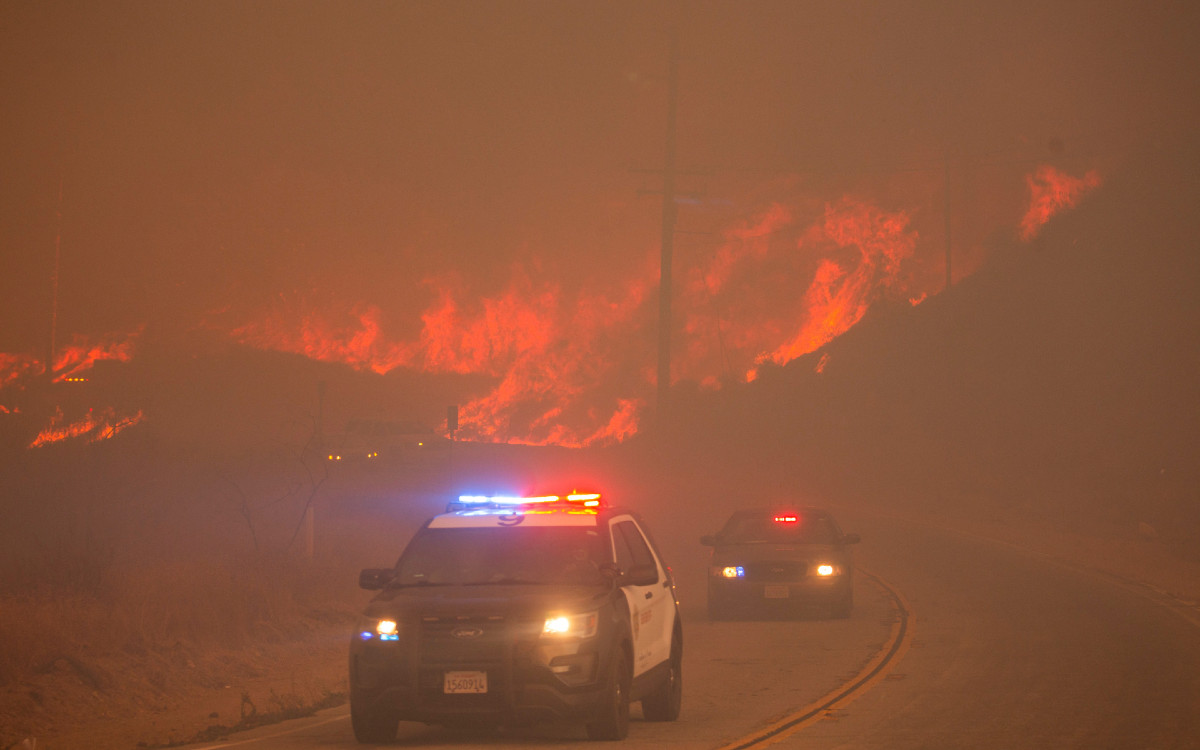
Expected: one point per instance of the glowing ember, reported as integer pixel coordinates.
(1050, 191)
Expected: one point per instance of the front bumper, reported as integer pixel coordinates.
(528, 680)
(809, 590)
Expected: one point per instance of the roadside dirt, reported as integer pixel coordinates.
(167, 698)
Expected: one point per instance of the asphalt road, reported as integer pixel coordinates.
(999, 648)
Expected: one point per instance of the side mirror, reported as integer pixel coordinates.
(851, 539)
(373, 579)
(639, 575)
(709, 540)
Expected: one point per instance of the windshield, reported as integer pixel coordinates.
(530, 555)
(760, 529)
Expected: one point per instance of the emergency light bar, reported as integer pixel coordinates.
(505, 499)
(472, 502)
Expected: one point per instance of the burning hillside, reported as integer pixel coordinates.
(569, 361)
(1058, 382)
(572, 367)
(1050, 192)
(93, 427)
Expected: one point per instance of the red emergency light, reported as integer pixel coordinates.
(787, 518)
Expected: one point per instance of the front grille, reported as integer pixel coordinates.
(447, 640)
(477, 643)
(782, 570)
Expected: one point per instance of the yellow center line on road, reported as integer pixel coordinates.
(883, 662)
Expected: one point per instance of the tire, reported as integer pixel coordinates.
(612, 720)
(372, 726)
(663, 704)
(717, 608)
(841, 609)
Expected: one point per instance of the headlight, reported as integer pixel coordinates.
(824, 570)
(384, 630)
(571, 626)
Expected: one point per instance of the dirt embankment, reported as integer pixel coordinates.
(174, 696)
(182, 613)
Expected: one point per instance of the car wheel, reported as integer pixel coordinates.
(841, 608)
(718, 608)
(372, 726)
(663, 704)
(612, 720)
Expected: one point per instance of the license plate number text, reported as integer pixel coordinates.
(464, 682)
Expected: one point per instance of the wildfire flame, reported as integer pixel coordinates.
(838, 296)
(80, 355)
(554, 369)
(96, 426)
(17, 367)
(782, 286)
(1050, 191)
(70, 363)
(546, 350)
(355, 339)
(572, 365)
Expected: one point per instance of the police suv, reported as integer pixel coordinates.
(510, 610)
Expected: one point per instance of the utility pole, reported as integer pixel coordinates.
(319, 437)
(946, 212)
(54, 284)
(668, 240)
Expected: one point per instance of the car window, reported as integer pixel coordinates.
(632, 550)
(764, 529)
(522, 555)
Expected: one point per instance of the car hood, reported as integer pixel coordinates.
(743, 553)
(467, 601)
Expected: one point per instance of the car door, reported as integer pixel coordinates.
(651, 606)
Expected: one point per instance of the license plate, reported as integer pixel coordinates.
(779, 591)
(465, 682)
